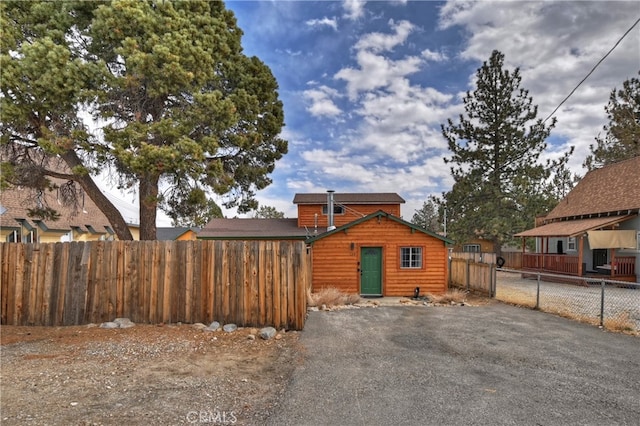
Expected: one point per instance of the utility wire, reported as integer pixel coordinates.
(592, 70)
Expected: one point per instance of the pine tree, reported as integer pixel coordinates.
(182, 108)
(499, 182)
(622, 134)
(427, 216)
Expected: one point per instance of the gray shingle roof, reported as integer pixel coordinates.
(252, 229)
(169, 234)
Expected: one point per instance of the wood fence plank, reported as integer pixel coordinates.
(188, 281)
(270, 262)
(61, 264)
(253, 307)
(111, 277)
(277, 283)
(260, 285)
(122, 296)
(48, 252)
(33, 252)
(4, 284)
(168, 266)
(22, 272)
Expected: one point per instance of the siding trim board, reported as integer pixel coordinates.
(379, 214)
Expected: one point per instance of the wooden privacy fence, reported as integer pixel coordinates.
(249, 283)
(470, 275)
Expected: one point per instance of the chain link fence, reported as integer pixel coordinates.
(613, 305)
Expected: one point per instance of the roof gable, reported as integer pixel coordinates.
(169, 234)
(611, 189)
(17, 201)
(350, 198)
(378, 214)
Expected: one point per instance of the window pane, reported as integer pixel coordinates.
(411, 257)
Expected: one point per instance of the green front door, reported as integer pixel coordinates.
(371, 271)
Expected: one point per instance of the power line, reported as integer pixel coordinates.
(592, 69)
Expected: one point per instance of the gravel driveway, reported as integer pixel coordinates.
(494, 364)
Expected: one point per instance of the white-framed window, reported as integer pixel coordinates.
(30, 237)
(571, 244)
(336, 209)
(471, 248)
(13, 237)
(411, 257)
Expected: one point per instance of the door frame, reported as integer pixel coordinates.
(380, 250)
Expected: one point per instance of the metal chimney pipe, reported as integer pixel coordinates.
(330, 226)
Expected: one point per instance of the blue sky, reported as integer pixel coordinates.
(367, 84)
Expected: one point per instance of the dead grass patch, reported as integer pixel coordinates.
(453, 295)
(331, 296)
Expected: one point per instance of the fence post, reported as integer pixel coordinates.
(538, 293)
(602, 304)
(468, 273)
(495, 280)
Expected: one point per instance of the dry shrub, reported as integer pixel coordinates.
(622, 322)
(453, 295)
(331, 296)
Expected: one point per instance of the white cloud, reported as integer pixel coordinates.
(321, 102)
(432, 56)
(379, 42)
(354, 9)
(333, 23)
(375, 72)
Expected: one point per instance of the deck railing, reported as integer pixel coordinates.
(558, 263)
(625, 265)
(567, 264)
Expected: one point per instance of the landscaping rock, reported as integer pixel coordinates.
(230, 328)
(124, 322)
(109, 324)
(199, 326)
(251, 337)
(214, 326)
(267, 333)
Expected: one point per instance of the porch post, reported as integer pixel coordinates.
(580, 255)
(613, 262)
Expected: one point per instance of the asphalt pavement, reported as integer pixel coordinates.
(484, 365)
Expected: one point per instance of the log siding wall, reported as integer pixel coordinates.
(335, 263)
(307, 212)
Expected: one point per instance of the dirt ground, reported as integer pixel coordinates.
(149, 374)
(171, 374)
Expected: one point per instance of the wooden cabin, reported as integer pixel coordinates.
(358, 243)
(380, 255)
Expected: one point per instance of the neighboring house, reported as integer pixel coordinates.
(477, 245)
(594, 229)
(86, 223)
(363, 247)
(176, 234)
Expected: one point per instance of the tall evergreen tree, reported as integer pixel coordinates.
(427, 216)
(622, 134)
(268, 212)
(500, 184)
(182, 108)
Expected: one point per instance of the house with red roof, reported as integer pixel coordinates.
(595, 229)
